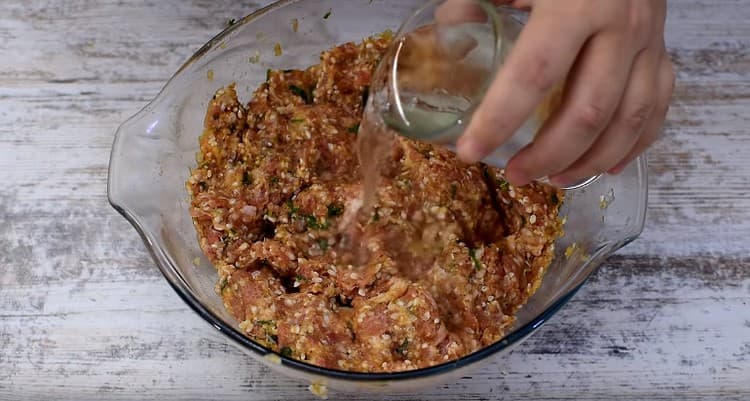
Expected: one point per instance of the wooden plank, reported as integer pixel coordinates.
(84, 314)
(134, 339)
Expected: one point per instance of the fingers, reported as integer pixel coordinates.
(592, 95)
(609, 113)
(635, 110)
(534, 66)
(653, 127)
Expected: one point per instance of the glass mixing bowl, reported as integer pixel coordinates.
(154, 150)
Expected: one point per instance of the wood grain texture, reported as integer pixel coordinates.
(85, 315)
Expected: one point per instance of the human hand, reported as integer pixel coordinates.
(618, 85)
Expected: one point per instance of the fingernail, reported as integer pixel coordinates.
(618, 168)
(470, 150)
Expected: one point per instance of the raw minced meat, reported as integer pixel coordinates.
(275, 179)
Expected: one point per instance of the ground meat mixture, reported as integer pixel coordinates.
(453, 250)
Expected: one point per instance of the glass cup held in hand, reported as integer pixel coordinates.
(437, 71)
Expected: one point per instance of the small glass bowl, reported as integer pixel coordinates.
(154, 150)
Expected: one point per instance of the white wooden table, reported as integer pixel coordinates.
(85, 315)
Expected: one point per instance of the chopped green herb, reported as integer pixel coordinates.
(327, 14)
(354, 128)
(300, 278)
(301, 93)
(376, 215)
(554, 199)
(335, 209)
(273, 338)
(265, 323)
(312, 222)
(504, 185)
(223, 284)
(286, 351)
(403, 349)
(231, 22)
(323, 244)
(473, 256)
(454, 189)
(297, 120)
(274, 179)
(247, 179)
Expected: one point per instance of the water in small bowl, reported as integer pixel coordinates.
(437, 71)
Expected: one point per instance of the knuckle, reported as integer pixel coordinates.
(592, 118)
(638, 116)
(537, 74)
(639, 21)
